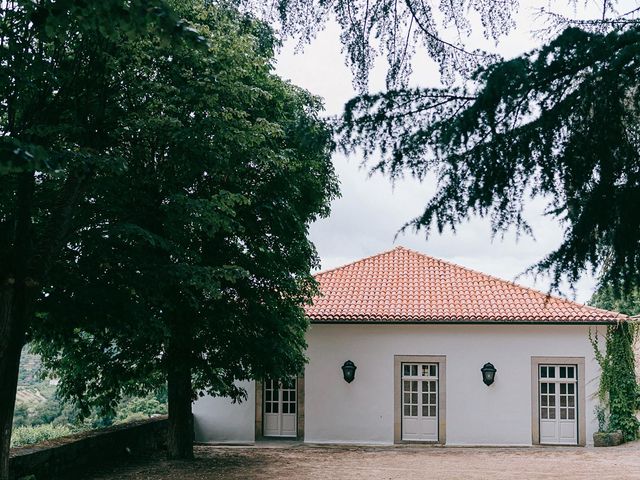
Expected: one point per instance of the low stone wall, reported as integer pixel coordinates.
(73, 456)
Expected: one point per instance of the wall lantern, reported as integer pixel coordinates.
(488, 373)
(349, 371)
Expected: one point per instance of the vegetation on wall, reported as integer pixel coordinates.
(619, 390)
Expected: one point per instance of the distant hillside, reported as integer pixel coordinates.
(29, 368)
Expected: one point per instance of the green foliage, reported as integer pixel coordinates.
(196, 256)
(561, 123)
(27, 435)
(615, 300)
(618, 389)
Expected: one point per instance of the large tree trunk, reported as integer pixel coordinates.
(16, 303)
(12, 331)
(180, 434)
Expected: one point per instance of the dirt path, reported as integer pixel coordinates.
(306, 462)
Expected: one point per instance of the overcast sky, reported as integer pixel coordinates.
(365, 220)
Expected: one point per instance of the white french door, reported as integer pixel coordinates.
(558, 388)
(280, 408)
(420, 401)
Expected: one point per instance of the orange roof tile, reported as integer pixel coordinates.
(402, 285)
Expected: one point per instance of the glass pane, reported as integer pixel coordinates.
(571, 372)
(267, 407)
(552, 401)
(432, 385)
(414, 410)
(571, 388)
(407, 398)
(572, 401)
(425, 370)
(414, 398)
(543, 414)
(563, 372)
(552, 413)
(425, 386)
(268, 395)
(406, 370)
(414, 370)
(292, 408)
(425, 398)
(432, 398)
(563, 388)
(414, 386)
(552, 372)
(563, 401)
(543, 400)
(563, 414)
(552, 388)
(572, 414)
(432, 411)
(425, 411)
(285, 396)
(285, 407)
(292, 396)
(275, 408)
(543, 388)
(407, 410)
(543, 372)
(432, 370)
(275, 395)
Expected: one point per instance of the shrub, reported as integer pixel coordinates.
(26, 435)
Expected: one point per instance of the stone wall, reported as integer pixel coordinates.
(74, 456)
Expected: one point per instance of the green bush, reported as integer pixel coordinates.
(26, 435)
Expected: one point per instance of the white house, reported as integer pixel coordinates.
(419, 331)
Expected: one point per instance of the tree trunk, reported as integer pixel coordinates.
(16, 302)
(13, 332)
(180, 433)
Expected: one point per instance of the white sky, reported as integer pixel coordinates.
(365, 220)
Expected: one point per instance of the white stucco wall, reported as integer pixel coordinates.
(218, 420)
(363, 411)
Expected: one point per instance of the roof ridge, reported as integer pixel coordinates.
(524, 287)
(348, 264)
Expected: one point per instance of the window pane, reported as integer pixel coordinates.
(414, 386)
(267, 407)
(563, 414)
(285, 407)
(563, 372)
(407, 398)
(406, 370)
(414, 410)
(285, 396)
(425, 411)
(425, 386)
(432, 398)
(571, 388)
(407, 410)
(563, 388)
(572, 401)
(570, 372)
(552, 372)
(414, 370)
(433, 370)
(552, 388)
(268, 395)
(543, 413)
(414, 398)
(275, 395)
(543, 400)
(563, 401)
(552, 401)
(543, 372)
(292, 408)
(543, 388)
(275, 408)
(552, 413)
(292, 396)
(572, 414)
(432, 410)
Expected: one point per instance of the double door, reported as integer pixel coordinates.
(280, 408)
(558, 385)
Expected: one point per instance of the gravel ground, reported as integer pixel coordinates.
(307, 462)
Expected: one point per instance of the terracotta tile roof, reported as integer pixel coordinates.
(403, 285)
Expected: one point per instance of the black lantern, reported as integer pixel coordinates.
(488, 373)
(349, 371)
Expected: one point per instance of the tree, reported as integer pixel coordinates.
(59, 86)
(193, 264)
(561, 122)
(396, 29)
